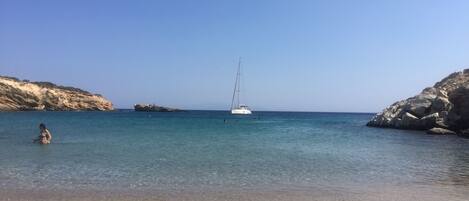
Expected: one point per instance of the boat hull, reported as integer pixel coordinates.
(241, 111)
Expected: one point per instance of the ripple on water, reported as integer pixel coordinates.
(196, 149)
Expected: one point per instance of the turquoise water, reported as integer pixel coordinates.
(198, 149)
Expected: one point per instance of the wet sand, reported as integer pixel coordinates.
(312, 194)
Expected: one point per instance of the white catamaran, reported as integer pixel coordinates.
(236, 107)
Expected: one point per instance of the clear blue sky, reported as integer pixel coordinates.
(355, 56)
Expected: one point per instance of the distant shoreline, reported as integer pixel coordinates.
(195, 110)
(286, 111)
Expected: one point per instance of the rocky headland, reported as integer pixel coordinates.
(154, 108)
(23, 95)
(441, 109)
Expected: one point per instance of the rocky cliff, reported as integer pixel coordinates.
(443, 108)
(17, 95)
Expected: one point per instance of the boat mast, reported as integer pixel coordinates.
(236, 88)
(239, 79)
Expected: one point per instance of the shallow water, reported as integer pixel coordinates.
(208, 150)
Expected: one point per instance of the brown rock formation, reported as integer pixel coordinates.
(17, 95)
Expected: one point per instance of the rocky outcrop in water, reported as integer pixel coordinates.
(17, 95)
(443, 106)
(154, 108)
(440, 131)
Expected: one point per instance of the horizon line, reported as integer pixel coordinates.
(299, 111)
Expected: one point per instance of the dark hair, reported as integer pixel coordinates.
(42, 125)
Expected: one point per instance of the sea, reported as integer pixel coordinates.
(213, 151)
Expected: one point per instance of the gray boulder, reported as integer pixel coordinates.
(441, 104)
(445, 105)
(429, 121)
(440, 131)
(460, 111)
(406, 121)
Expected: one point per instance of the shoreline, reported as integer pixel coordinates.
(371, 193)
